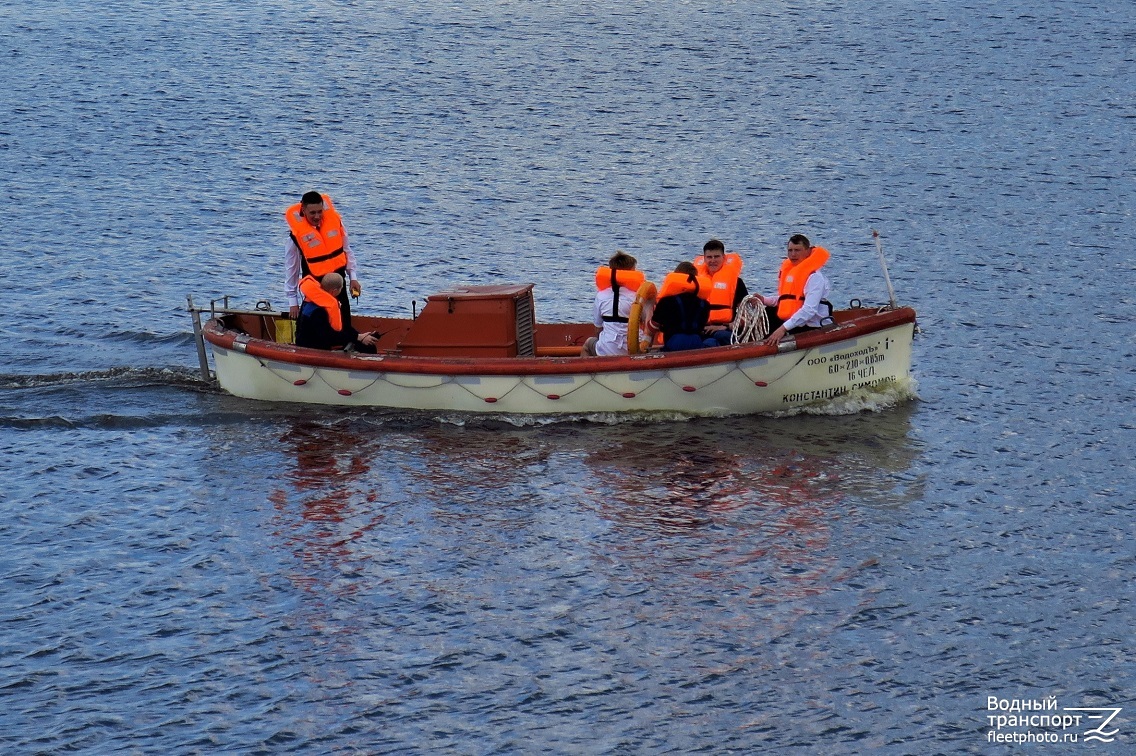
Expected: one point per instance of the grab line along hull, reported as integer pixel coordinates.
(743, 379)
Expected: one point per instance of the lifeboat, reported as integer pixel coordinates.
(480, 349)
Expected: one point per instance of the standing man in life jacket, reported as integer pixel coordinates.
(727, 289)
(616, 286)
(802, 302)
(317, 245)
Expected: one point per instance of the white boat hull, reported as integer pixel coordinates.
(737, 384)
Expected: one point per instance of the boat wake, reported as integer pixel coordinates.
(536, 421)
(120, 377)
(116, 398)
(125, 398)
(178, 338)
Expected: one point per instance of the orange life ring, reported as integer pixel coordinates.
(636, 319)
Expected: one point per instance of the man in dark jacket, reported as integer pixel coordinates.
(320, 325)
(682, 317)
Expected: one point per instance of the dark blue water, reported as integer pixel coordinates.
(187, 572)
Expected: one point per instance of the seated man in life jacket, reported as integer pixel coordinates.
(320, 325)
(727, 289)
(802, 302)
(616, 286)
(683, 309)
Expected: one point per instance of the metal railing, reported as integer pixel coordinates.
(262, 307)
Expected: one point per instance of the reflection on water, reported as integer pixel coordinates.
(736, 494)
(330, 502)
(480, 464)
(763, 496)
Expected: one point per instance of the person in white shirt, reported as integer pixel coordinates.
(612, 307)
(802, 302)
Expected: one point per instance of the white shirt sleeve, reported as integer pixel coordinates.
(352, 271)
(292, 272)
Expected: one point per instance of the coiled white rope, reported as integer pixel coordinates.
(751, 324)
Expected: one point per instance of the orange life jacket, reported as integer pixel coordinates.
(681, 283)
(791, 284)
(628, 279)
(313, 292)
(606, 278)
(321, 248)
(723, 286)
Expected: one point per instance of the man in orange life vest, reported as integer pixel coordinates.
(321, 324)
(727, 288)
(802, 302)
(317, 245)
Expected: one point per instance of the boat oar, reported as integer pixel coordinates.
(883, 264)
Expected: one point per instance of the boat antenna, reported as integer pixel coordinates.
(883, 264)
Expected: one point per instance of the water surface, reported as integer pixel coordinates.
(189, 572)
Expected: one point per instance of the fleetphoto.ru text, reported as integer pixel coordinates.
(1031, 720)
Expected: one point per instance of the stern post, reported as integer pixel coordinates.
(199, 339)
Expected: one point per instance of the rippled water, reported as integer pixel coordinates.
(188, 572)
